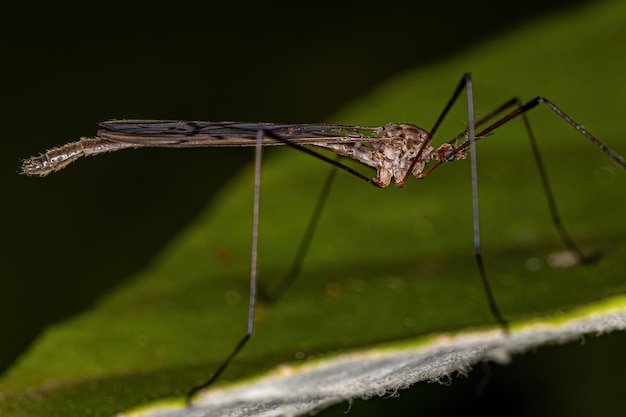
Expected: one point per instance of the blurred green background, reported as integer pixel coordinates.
(67, 66)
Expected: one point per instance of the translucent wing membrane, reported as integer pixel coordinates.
(183, 134)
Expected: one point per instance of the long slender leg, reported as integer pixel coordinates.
(253, 272)
(466, 84)
(470, 142)
(274, 293)
(475, 213)
(541, 100)
(324, 158)
(521, 110)
(281, 286)
(566, 238)
(554, 212)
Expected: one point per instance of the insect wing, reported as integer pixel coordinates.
(183, 134)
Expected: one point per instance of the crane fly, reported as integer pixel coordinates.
(396, 151)
(390, 149)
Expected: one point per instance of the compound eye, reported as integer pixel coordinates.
(446, 153)
(450, 154)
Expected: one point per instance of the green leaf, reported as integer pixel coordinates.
(389, 271)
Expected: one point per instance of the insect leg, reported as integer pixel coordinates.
(253, 273)
(281, 286)
(521, 110)
(476, 224)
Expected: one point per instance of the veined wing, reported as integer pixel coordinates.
(189, 134)
(121, 134)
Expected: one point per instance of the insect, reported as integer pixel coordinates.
(396, 151)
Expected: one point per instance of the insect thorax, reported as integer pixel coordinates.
(392, 157)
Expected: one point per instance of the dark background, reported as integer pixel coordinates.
(69, 65)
